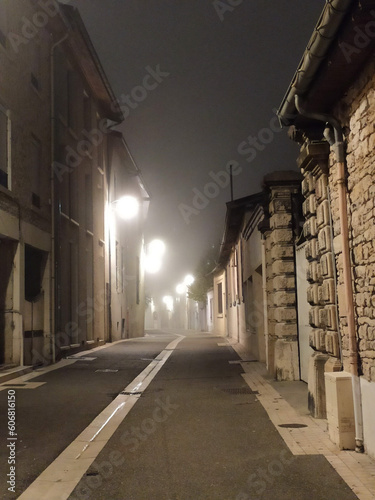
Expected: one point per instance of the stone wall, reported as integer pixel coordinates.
(357, 114)
(281, 284)
(321, 274)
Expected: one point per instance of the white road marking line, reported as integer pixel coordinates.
(106, 370)
(61, 477)
(39, 371)
(81, 358)
(21, 385)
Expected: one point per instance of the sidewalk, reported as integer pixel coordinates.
(303, 434)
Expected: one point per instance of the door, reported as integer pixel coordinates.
(7, 254)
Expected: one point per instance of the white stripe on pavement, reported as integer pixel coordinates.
(61, 477)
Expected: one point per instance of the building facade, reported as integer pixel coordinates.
(58, 158)
(254, 282)
(125, 248)
(330, 108)
(26, 264)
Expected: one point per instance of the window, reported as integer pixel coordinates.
(35, 169)
(88, 203)
(4, 148)
(87, 112)
(75, 101)
(61, 86)
(220, 298)
(137, 283)
(73, 195)
(119, 267)
(3, 24)
(35, 69)
(34, 267)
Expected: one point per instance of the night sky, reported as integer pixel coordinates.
(220, 74)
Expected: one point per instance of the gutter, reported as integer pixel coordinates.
(325, 32)
(336, 141)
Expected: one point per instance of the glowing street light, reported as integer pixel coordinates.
(154, 254)
(189, 280)
(181, 288)
(127, 207)
(156, 247)
(168, 301)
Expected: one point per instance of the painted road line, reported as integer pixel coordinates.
(38, 372)
(61, 477)
(21, 385)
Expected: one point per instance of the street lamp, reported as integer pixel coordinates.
(168, 301)
(154, 254)
(127, 207)
(189, 280)
(156, 247)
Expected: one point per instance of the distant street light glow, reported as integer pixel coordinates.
(189, 280)
(180, 289)
(168, 301)
(127, 207)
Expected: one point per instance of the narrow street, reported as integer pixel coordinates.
(186, 426)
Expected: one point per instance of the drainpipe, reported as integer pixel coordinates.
(54, 215)
(265, 299)
(337, 143)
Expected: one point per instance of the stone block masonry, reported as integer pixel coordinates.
(282, 313)
(357, 114)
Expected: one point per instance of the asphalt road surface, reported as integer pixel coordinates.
(197, 432)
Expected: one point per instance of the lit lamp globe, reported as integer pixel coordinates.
(189, 280)
(180, 289)
(127, 207)
(156, 247)
(168, 301)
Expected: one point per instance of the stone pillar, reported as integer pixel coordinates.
(321, 294)
(282, 304)
(264, 228)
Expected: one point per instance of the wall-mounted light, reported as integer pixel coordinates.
(127, 207)
(154, 253)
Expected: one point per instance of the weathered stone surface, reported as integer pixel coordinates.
(284, 298)
(285, 314)
(283, 267)
(286, 360)
(359, 113)
(285, 329)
